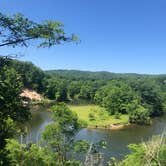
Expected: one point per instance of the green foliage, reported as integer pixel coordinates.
(141, 100)
(7, 130)
(32, 76)
(140, 116)
(162, 155)
(80, 146)
(136, 157)
(124, 96)
(74, 88)
(59, 134)
(115, 97)
(147, 91)
(80, 75)
(66, 118)
(84, 92)
(152, 152)
(25, 155)
(18, 30)
(151, 95)
(56, 89)
(12, 108)
(89, 75)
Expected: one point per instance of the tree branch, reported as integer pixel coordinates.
(16, 41)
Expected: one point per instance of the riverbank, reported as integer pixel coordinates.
(110, 127)
(97, 118)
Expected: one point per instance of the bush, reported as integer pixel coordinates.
(152, 153)
(140, 116)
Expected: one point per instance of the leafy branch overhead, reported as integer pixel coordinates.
(17, 30)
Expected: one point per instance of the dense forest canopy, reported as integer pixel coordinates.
(118, 93)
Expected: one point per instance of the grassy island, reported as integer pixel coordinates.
(96, 117)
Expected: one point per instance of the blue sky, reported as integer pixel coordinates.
(126, 36)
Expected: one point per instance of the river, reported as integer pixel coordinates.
(117, 140)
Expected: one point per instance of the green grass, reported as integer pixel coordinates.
(100, 116)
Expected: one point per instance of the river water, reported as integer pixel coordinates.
(117, 140)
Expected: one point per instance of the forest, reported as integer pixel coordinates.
(139, 96)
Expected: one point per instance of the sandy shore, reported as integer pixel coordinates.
(110, 127)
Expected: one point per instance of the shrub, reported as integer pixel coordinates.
(140, 116)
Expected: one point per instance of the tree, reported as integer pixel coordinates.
(59, 134)
(74, 88)
(55, 89)
(11, 103)
(151, 96)
(115, 97)
(139, 115)
(12, 108)
(17, 30)
(85, 92)
(31, 154)
(21, 154)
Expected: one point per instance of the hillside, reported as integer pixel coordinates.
(78, 74)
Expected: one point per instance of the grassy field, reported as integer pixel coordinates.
(94, 115)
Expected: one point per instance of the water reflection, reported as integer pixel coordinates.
(117, 140)
(35, 127)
